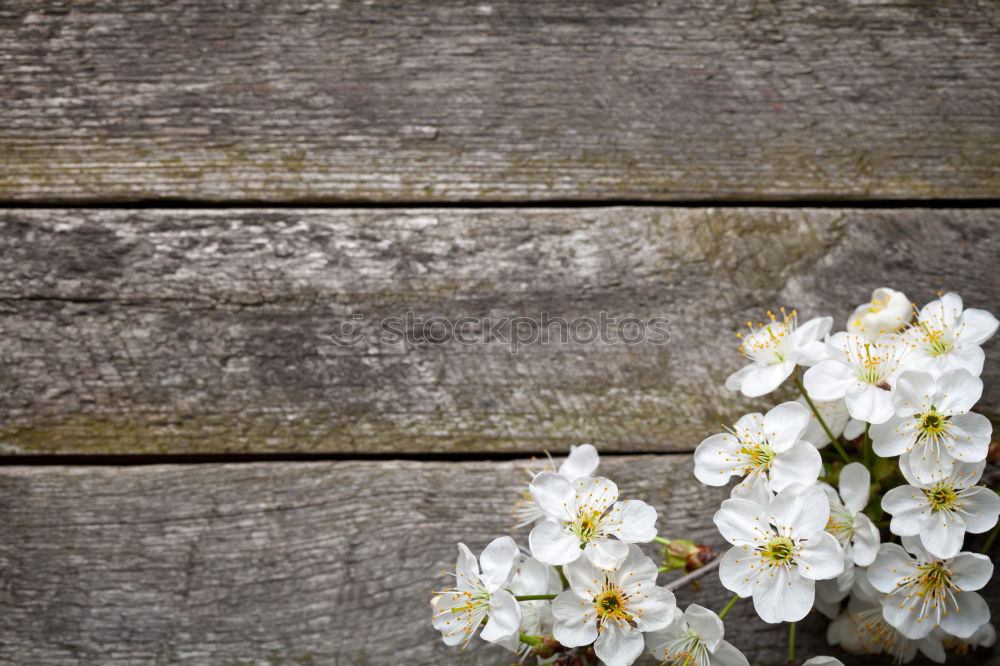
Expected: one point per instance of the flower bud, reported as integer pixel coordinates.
(888, 311)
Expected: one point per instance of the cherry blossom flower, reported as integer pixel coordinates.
(836, 418)
(984, 636)
(582, 461)
(775, 349)
(863, 629)
(767, 451)
(933, 423)
(861, 372)
(612, 608)
(582, 516)
(942, 507)
(923, 591)
(693, 638)
(478, 596)
(947, 337)
(888, 311)
(779, 551)
(823, 661)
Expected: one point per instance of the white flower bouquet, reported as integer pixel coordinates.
(854, 499)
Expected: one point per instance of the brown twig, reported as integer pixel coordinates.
(695, 575)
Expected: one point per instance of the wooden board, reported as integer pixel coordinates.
(286, 563)
(280, 100)
(206, 331)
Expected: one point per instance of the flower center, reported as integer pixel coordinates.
(937, 342)
(933, 423)
(780, 550)
(942, 498)
(688, 650)
(767, 343)
(611, 604)
(841, 524)
(760, 455)
(586, 527)
(933, 580)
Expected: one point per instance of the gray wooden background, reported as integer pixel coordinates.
(196, 195)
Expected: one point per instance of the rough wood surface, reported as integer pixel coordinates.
(285, 563)
(280, 100)
(154, 331)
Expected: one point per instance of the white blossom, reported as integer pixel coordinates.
(823, 661)
(531, 577)
(932, 421)
(947, 337)
(779, 551)
(942, 506)
(478, 595)
(863, 629)
(767, 452)
(693, 638)
(888, 311)
(775, 349)
(582, 516)
(923, 591)
(582, 461)
(611, 608)
(861, 372)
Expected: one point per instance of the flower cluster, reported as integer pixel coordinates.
(893, 394)
(855, 498)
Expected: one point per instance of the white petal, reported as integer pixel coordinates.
(634, 521)
(785, 424)
(584, 578)
(970, 571)
(727, 655)
(576, 623)
(823, 558)
(735, 380)
(890, 566)
(552, 544)
(582, 461)
(466, 569)
(706, 624)
(972, 433)
(800, 511)
(594, 494)
(715, 460)
(738, 571)
(618, 645)
(979, 326)
(870, 403)
(982, 507)
(866, 541)
(504, 617)
(742, 522)
(907, 505)
(959, 390)
(762, 379)
(554, 495)
(606, 553)
(974, 613)
(894, 437)
(828, 380)
(915, 393)
(943, 536)
(823, 661)
(654, 611)
(855, 481)
(497, 560)
(799, 464)
(783, 596)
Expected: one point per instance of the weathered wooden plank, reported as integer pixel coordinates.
(267, 100)
(181, 331)
(283, 563)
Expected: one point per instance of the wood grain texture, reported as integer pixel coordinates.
(182, 331)
(280, 100)
(287, 563)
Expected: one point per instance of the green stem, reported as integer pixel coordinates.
(534, 597)
(665, 542)
(990, 539)
(791, 643)
(833, 440)
(732, 602)
(533, 641)
(562, 577)
(662, 569)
